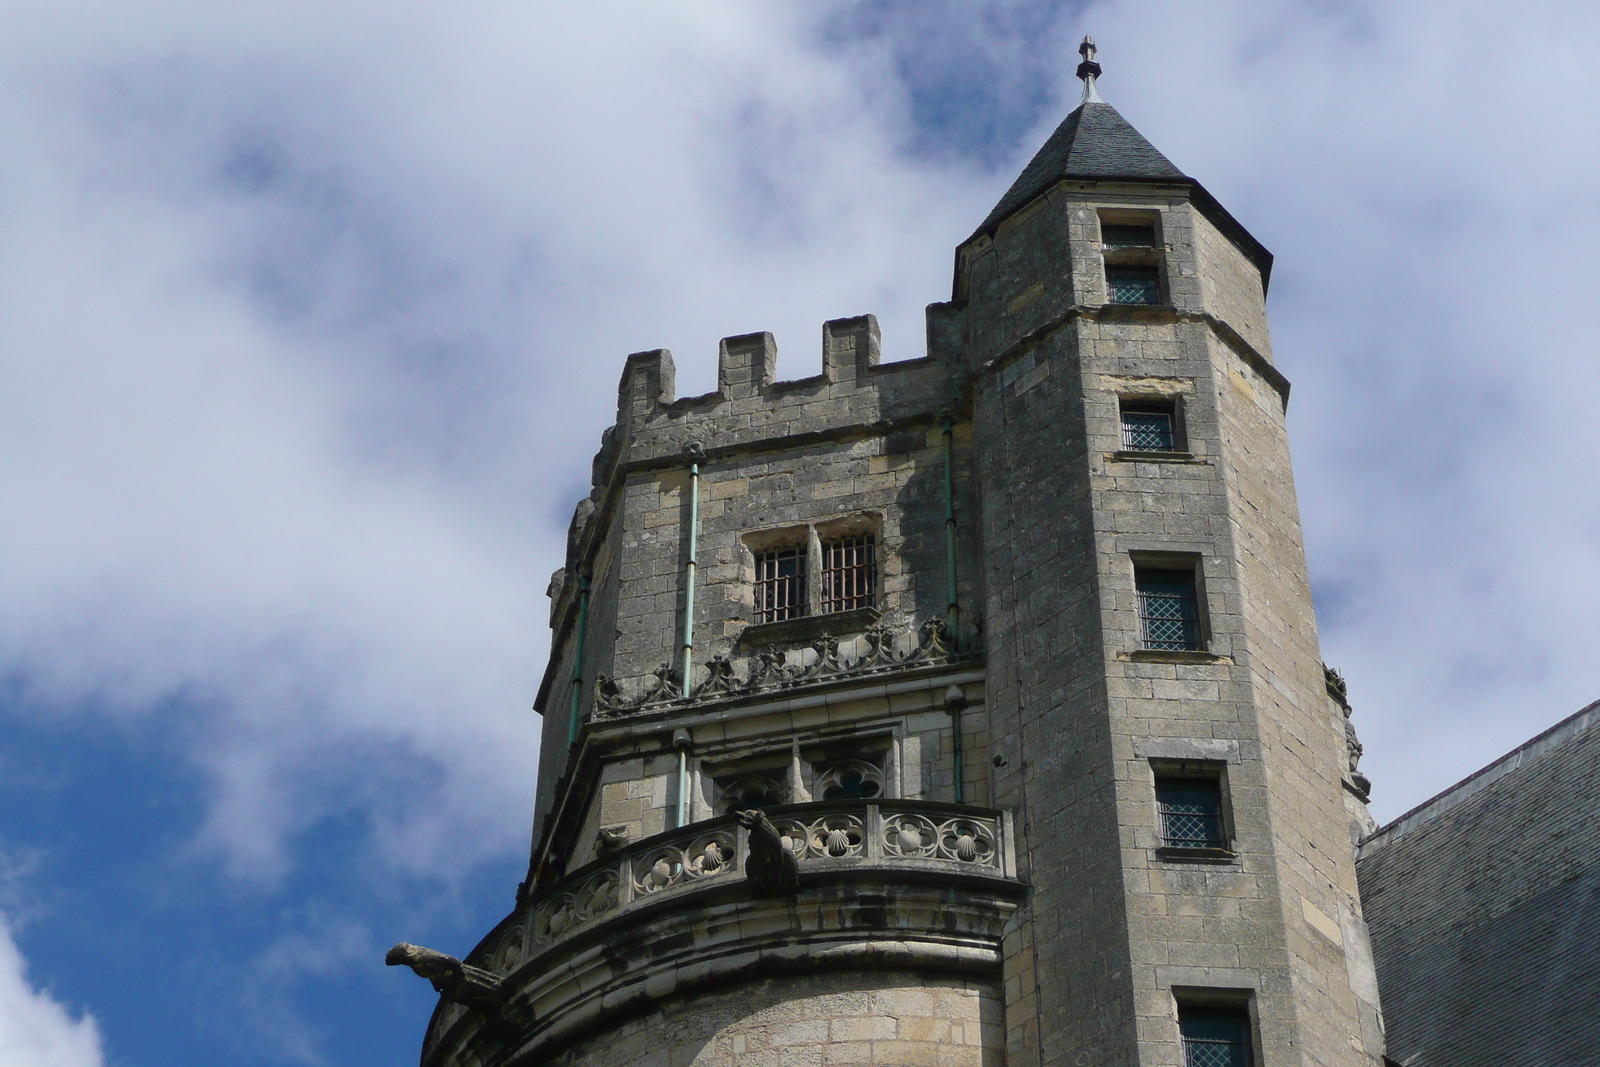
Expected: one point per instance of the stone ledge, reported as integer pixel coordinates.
(1141, 456)
(1178, 854)
(809, 627)
(1159, 655)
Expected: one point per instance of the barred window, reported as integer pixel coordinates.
(780, 584)
(1133, 285)
(1169, 613)
(1127, 235)
(1214, 1037)
(1149, 426)
(1191, 812)
(849, 573)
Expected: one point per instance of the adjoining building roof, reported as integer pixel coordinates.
(1094, 142)
(1558, 735)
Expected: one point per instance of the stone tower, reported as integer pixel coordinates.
(963, 710)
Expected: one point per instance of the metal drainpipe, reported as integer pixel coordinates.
(577, 659)
(952, 606)
(696, 453)
(681, 741)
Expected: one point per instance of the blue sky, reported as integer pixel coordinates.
(311, 316)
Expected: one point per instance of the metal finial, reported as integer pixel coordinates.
(1089, 70)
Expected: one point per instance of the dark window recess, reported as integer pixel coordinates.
(1133, 285)
(1191, 813)
(849, 573)
(1169, 615)
(850, 780)
(748, 793)
(1215, 1037)
(1148, 427)
(1127, 235)
(780, 584)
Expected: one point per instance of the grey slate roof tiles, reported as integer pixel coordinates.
(1093, 142)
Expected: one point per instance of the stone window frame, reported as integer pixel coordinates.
(1211, 771)
(1149, 256)
(812, 535)
(1239, 1002)
(1169, 403)
(1191, 563)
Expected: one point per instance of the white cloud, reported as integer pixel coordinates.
(312, 315)
(36, 1030)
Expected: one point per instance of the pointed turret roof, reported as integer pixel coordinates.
(1094, 142)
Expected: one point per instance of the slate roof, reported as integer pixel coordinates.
(1482, 904)
(1093, 142)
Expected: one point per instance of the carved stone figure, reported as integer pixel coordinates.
(471, 987)
(610, 839)
(771, 867)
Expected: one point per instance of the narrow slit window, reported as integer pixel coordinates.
(1191, 812)
(1149, 426)
(780, 584)
(1133, 285)
(849, 573)
(1215, 1037)
(1169, 612)
(1127, 235)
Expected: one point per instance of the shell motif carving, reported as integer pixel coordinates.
(830, 837)
(671, 865)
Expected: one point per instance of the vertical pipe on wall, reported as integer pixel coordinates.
(696, 453)
(577, 658)
(680, 741)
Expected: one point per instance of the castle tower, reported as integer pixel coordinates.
(966, 710)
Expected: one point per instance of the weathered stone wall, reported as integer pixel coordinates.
(1067, 517)
(1482, 904)
(885, 1020)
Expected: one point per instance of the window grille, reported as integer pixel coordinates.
(780, 584)
(1133, 285)
(1124, 235)
(1191, 813)
(849, 573)
(1147, 429)
(1169, 616)
(1215, 1037)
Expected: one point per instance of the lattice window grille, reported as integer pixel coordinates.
(780, 591)
(1123, 235)
(1147, 431)
(1191, 817)
(1133, 285)
(1168, 614)
(1215, 1052)
(849, 573)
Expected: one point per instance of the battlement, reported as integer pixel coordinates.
(749, 407)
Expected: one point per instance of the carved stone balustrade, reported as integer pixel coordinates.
(903, 884)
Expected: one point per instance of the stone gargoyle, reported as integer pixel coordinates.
(772, 868)
(471, 987)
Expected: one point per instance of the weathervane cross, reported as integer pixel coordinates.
(1089, 70)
